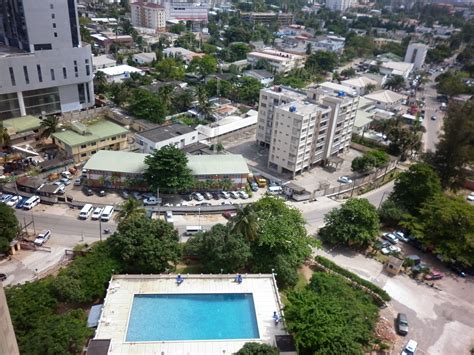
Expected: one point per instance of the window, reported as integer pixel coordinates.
(43, 47)
(88, 94)
(83, 146)
(53, 16)
(88, 70)
(54, 25)
(114, 138)
(40, 75)
(25, 71)
(71, 4)
(76, 69)
(53, 77)
(84, 155)
(56, 34)
(64, 73)
(12, 76)
(51, 6)
(82, 94)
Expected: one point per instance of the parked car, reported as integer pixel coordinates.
(225, 194)
(229, 214)
(380, 244)
(97, 213)
(207, 195)
(150, 201)
(6, 198)
(204, 204)
(434, 275)
(243, 195)
(216, 195)
(125, 194)
(136, 195)
(66, 174)
(393, 249)
(401, 236)
(344, 180)
(234, 194)
(410, 348)
(42, 238)
(20, 204)
(65, 181)
(13, 201)
(87, 191)
(169, 216)
(226, 203)
(402, 324)
(433, 118)
(188, 197)
(3, 277)
(457, 269)
(101, 193)
(77, 182)
(198, 196)
(390, 237)
(253, 186)
(470, 197)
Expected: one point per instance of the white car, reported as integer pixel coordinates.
(394, 249)
(243, 195)
(344, 180)
(234, 194)
(225, 194)
(410, 348)
(400, 235)
(390, 237)
(169, 216)
(42, 237)
(470, 197)
(97, 213)
(150, 201)
(13, 201)
(198, 196)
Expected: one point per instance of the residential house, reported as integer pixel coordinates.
(144, 58)
(102, 62)
(183, 53)
(359, 84)
(282, 62)
(265, 77)
(386, 100)
(83, 140)
(176, 134)
(120, 73)
(23, 130)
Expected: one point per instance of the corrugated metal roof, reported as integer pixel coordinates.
(98, 130)
(117, 161)
(221, 164)
(22, 124)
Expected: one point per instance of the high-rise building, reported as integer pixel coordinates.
(303, 129)
(416, 54)
(338, 5)
(8, 344)
(44, 68)
(148, 15)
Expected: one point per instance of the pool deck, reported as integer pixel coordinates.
(122, 289)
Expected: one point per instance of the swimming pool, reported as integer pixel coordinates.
(192, 317)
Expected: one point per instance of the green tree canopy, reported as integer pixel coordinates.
(390, 213)
(167, 169)
(321, 62)
(447, 224)
(369, 161)
(170, 69)
(146, 105)
(282, 242)
(220, 248)
(9, 227)
(396, 82)
(330, 316)
(415, 186)
(204, 65)
(356, 223)
(145, 245)
(257, 349)
(456, 146)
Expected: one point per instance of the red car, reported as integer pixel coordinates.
(435, 275)
(229, 214)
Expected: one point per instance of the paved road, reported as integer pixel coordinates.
(433, 127)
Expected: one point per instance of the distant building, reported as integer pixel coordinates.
(359, 84)
(328, 44)
(120, 72)
(229, 124)
(23, 130)
(144, 58)
(44, 67)
(101, 62)
(148, 15)
(176, 134)
(83, 140)
(182, 10)
(416, 54)
(338, 5)
(105, 41)
(265, 77)
(386, 100)
(396, 68)
(282, 19)
(183, 53)
(282, 62)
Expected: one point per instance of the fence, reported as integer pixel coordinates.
(357, 183)
(68, 117)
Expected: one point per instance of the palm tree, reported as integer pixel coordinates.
(50, 125)
(246, 223)
(129, 208)
(4, 136)
(100, 82)
(369, 88)
(206, 109)
(166, 95)
(396, 82)
(183, 101)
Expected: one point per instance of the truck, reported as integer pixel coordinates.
(261, 181)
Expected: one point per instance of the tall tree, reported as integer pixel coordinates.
(246, 223)
(146, 105)
(355, 223)
(456, 145)
(145, 245)
(415, 186)
(183, 100)
(321, 62)
(49, 125)
(100, 82)
(257, 349)
(9, 227)
(220, 248)
(129, 208)
(167, 169)
(205, 107)
(4, 136)
(447, 224)
(396, 82)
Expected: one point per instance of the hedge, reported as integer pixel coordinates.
(334, 267)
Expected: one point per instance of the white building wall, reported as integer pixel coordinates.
(416, 54)
(147, 146)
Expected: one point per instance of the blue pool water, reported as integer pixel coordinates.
(192, 317)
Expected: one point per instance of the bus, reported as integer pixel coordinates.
(107, 213)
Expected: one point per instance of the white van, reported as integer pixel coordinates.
(107, 213)
(86, 211)
(31, 202)
(97, 213)
(192, 230)
(274, 190)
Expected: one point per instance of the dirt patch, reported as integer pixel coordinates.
(306, 271)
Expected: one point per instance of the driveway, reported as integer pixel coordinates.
(441, 321)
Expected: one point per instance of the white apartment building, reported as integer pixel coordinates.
(148, 15)
(186, 11)
(416, 54)
(303, 129)
(44, 69)
(338, 5)
(283, 62)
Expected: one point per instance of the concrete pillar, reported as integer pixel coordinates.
(21, 103)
